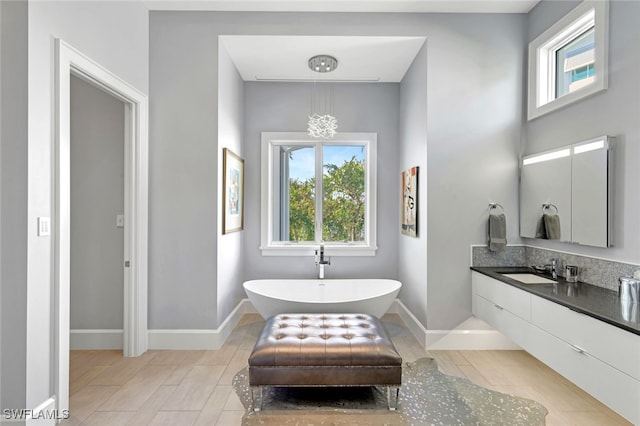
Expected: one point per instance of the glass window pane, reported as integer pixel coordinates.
(295, 194)
(343, 182)
(574, 63)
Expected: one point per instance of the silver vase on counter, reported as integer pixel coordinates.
(571, 273)
(629, 289)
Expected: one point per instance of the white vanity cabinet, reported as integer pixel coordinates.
(602, 359)
(503, 307)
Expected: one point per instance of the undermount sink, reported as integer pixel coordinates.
(526, 278)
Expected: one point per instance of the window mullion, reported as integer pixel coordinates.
(319, 192)
(285, 195)
(551, 70)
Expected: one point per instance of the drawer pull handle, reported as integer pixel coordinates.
(577, 349)
(498, 307)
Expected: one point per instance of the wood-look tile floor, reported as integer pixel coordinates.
(187, 387)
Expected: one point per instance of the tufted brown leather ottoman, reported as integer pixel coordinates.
(324, 350)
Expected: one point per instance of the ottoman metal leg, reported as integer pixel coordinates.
(256, 397)
(392, 397)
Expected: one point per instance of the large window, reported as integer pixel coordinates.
(318, 191)
(568, 62)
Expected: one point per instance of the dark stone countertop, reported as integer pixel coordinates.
(597, 302)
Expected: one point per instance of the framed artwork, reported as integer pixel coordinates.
(409, 216)
(233, 192)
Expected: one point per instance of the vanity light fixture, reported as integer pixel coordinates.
(322, 123)
(546, 156)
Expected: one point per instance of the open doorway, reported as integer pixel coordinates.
(70, 62)
(97, 218)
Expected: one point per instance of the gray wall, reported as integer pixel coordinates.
(1, 192)
(231, 259)
(474, 119)
(97, 196)
(183, 172)
(116, 36)
(615, 111)
(461, 107)
(13, 204)
(412, 252)
(359, 107)
(474, 106)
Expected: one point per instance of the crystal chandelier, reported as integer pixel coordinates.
(322, 126)
(322, 122)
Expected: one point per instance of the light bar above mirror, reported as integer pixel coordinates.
(547, 156)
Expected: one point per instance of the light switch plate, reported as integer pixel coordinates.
(120, 221)
(44, 226)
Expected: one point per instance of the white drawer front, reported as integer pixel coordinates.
(511, 298)
(513, 327)
(616, 347)
(614, 388)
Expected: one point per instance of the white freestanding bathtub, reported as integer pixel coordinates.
(277, 296)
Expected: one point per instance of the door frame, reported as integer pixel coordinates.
(70, 61)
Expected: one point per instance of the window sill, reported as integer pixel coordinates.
(309, 250)
(566, 100)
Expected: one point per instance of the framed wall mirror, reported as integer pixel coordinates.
(566, 193)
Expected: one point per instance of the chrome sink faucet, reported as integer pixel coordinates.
(554, 267)
(321, 260)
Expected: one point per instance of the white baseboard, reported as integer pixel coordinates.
(412, 323)
(457, 339)
(199, 339)
(461, 340)
(45, 414)
(96, 339)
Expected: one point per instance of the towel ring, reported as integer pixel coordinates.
(495, 206)
(548, 206)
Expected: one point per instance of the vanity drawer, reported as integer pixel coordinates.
(512, 326)
(607, 384)
(616, 347)
(505, 296)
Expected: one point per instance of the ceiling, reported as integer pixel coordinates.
(278, 58)
(284, 58)
(402, 6)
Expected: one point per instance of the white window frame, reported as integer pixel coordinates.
(542, 70)
(268, 246)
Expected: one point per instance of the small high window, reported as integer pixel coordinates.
(568, 62)
(318, 190)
